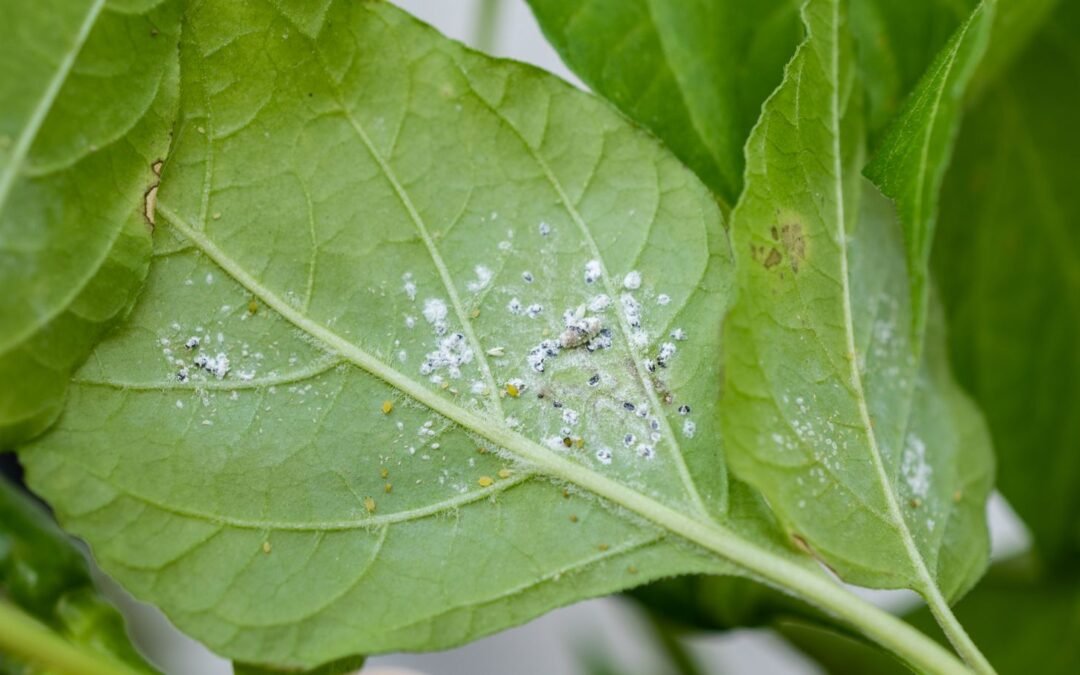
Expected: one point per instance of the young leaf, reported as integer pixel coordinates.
(695, 73)
(895, 44)
(87, 92)
(1012, 284)
(871, 457)
(323, 430)
(911, 162)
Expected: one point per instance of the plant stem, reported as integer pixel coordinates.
(487, 18)
(959, 638)
(25, 638)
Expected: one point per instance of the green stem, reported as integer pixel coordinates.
(487, 18)
(23, 637)
(959, 638)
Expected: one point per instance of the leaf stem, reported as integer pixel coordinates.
(487, 18)
(27, 639)
(959, 638)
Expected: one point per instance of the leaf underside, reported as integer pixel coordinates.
(369, 230)
(870, 455)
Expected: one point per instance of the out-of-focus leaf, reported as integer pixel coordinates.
(1007, 259)
(87, 95)
(696, 72)
(42, 572)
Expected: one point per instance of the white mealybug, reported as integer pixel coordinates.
(544, 228)
(678, 334)
(632, 280)
(527, 277)
(514, 306)
(667, 350)
(599, 303)
(534, 310)
(192, 342)
(570, 416)
(593, 271)
(663, 299)
(603, 455)
(580, 329)
(689, 428)
(646, 451)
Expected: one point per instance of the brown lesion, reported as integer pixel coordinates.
(150, 196)
(788, 241)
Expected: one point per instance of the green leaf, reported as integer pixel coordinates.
(43, 573)
(1007, 259)
(87, 92)
(871, 457)
(910, 165)
(351, 215)
(695, 73)
(896, 42)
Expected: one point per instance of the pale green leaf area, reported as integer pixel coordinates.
(87, 92)
(1012, 284)
(368, 229)
(695, 73)
(910, 165)
(873, 458)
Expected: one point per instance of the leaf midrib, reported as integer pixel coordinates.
(924, 579)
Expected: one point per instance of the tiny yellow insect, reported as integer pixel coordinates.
(512, 390)
(485, 481)
(384, 472)
(505, 473)
(369, 504)
(387, 406)
(266, 547)
(253, 306)
(388, 488)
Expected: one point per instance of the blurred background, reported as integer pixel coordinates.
(608, 635)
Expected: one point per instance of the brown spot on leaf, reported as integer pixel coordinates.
(791, 236)
(149, 204)
(773, 259)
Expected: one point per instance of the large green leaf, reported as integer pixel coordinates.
(695, 72)
(910, 165)
(87, 93)
(42, 572)
(872, 457)
(324, 429)
(1008, 262)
